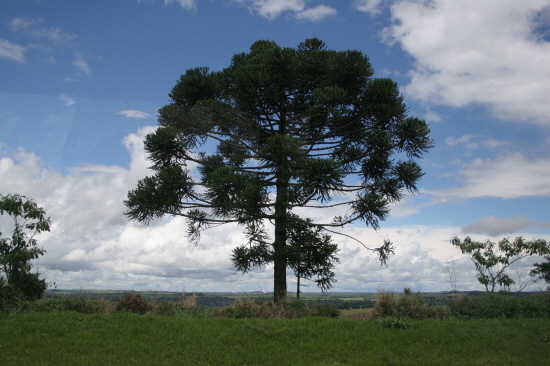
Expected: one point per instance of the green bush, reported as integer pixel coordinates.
(181, 309)
(248, 308)
(133, 302)
(79, 304)
(412, 306)
(405, 306)
(384, 304)
(502, 305)
(82, 304)
(17, 281)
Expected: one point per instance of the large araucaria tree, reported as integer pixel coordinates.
(280, 129)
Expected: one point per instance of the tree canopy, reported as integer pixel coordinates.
(281, 129)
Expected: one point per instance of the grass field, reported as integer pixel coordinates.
(69, 338)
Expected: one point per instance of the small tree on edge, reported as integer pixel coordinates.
(17, 252)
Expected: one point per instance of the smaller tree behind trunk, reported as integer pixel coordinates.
(311, 254)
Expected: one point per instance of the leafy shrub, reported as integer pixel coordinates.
(405, 306)
(244, 308)
(133, 302)
(501, 306)
(412, 306)
(326, 310)
(384, 304)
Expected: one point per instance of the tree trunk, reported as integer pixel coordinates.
(280, 255)
(279, 277)
(281, 205)
(298, 287)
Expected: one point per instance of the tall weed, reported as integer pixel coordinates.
(408, 305)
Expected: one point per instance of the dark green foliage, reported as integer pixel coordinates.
(492, 261)
(133, 302)
(294, 127)
(311, 253)
(17, 282)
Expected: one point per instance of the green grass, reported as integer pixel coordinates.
(70, 338)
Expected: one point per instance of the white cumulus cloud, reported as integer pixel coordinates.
(468, 51)
(368, 6)
(317, 13)
(510, 176)
(271, 9)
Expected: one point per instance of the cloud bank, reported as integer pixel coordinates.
(93, 245)
(508, 177)
(493, 226)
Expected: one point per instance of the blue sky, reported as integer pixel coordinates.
(80, 83)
